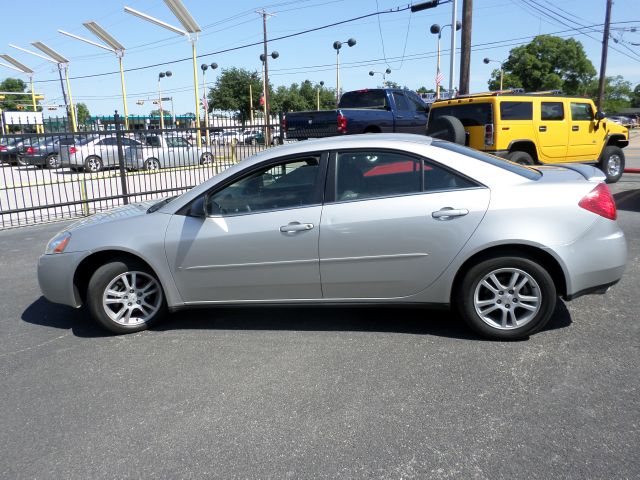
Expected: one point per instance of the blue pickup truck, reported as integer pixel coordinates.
(362, 111)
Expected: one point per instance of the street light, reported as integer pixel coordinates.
(113, 46)
(191, 31)
(437, 30)
(384, 74)
(20, 67)
(320, 85)
(337, 45)
(160, 76)
(205, 104)
(488, 60)
(264, 58)
(63, 64)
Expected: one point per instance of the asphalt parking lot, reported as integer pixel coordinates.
(319, 392)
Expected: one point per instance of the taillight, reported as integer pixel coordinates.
(600, 201)
(72, 150)
(488, 134)
(342, 123)
(31, 150)
(283, 124)
(3, 148)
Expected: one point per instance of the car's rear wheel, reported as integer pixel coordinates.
(151, 164)
(125, 296)
(52, 161)
(206, 158)
(21, 161)
(506, 298)
(523, 158)
(612, 163)
(93, 164)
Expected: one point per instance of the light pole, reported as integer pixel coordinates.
(191, 31)
(205, 104)
(337, 45)
(437, 30)
(384, 75)
(52, 56)
(22, 68)
(264, 58)
(113, 46)
(160, 76)
(488, 60)
(318, 88)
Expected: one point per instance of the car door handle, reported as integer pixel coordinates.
(296, 227)
(449, 213)
(542, 128)
(575, 128)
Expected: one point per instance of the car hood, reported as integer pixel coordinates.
(119, 213)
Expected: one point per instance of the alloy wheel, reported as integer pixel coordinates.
(132, 298)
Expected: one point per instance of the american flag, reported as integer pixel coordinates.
(205, 103)
(439, 78)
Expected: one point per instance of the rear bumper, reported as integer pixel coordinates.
(595, 261)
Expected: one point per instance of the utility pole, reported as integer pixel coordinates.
(465, 46)
(452, 67)
(64, 93)
(267, 111)
(603, 60)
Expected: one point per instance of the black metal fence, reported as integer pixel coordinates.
(60, 174)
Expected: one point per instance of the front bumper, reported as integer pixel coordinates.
(55, 276)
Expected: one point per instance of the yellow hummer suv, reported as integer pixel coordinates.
(531, 128)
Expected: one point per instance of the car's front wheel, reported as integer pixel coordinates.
(93, 164)
(125, 296)
(506, 298)
(612, 163)
(151, 164)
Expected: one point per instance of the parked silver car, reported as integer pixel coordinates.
(94, 153)
(161, 151)
(376, 219)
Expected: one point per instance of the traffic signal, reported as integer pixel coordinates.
(424, 5)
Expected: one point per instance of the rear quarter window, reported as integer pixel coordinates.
(526, 172)
(470, 114)
(364, 99)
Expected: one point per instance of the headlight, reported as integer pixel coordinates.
(58, 243)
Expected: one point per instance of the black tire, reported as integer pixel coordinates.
(20, 161)
(52, 161)
(104, 278)
(504, 303)
(612, 163)
(151, 164)
(275, 141)
(523, 158)
(93, 164)
(448, 128)
(206, 158)
(254, 141)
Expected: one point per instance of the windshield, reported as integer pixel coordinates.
(527, 172)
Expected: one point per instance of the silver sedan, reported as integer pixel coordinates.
(364, 219)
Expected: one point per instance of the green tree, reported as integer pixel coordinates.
(11, 102)
(547, 63)
(617, 93)
(424, 89)
(509, 80)
(231, 91)
(635, 100)
(83, 113)
(302, 97)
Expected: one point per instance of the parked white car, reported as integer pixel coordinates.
(161, 151)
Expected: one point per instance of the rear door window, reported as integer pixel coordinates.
(552, 111)
(364, 99)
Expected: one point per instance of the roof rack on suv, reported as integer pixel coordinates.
(492, 93)
(545, 92)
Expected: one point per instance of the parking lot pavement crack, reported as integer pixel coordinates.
(47, 342)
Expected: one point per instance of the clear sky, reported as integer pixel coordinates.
(400, 41)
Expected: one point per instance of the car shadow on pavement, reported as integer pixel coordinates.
(408, 320)
(628, 200)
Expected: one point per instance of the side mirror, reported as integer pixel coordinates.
(599, 115)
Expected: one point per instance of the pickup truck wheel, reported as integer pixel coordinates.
(523, 158)
(448, 128)
(612, 163)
